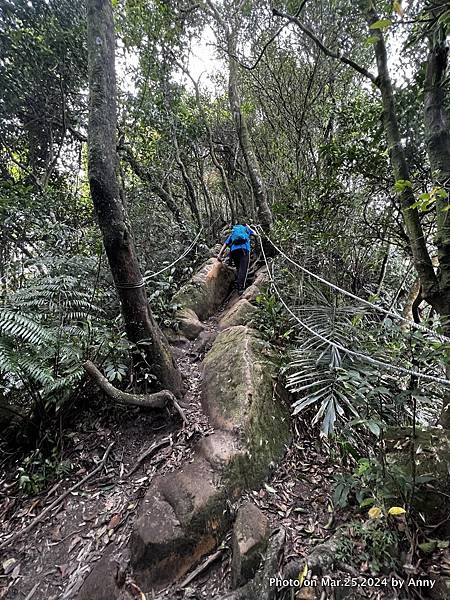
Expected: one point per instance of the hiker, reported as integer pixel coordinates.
(239, 243)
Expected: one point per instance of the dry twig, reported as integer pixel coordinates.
(201, 568)
(156, 446)
(58, 501)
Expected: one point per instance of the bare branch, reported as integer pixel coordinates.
(343, 59)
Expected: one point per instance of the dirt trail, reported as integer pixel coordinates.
(52, 561)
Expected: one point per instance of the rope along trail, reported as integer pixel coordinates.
(380, 309)
(360, 355)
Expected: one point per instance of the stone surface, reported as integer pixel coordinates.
(184, 514)
(106, 581)
(220, 448)
(189, 324)
(204, 342)
(238, 396)
(260, 588)
(180, 520)
(207, 289)
(250, 535)
(239, 314)
(256, 288)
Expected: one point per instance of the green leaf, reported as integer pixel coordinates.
(401, 185)
(428, 547)
(372, 39)
(381, 24)
(367, 502)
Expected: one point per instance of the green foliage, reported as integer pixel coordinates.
(377, 483)
(46, 328)
(271, 319)
(161, 292)
(373, 542)
(37, 471)
(381, 24)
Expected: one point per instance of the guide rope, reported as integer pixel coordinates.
(386, 312)
(360, 355)
(130, 286)
(188, 249)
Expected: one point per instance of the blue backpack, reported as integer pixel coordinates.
(239, 235)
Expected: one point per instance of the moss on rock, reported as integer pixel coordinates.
(207, 289)
(238, 395)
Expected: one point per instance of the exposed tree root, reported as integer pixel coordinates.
(164, 442)
(155, 400)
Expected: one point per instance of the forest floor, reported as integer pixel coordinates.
(51, 561)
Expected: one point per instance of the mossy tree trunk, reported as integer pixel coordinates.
(438, 148)
(115, 228)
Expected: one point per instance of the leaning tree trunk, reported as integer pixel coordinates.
(438, 148)
(116, 232)
(421, 257)
(245, 142)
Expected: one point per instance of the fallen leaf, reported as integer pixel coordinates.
(375, 512)
(270, 489)
(8, 565)
(114, 521)
(55, 534)
(76, 540)
(16, 572)
(396, 511)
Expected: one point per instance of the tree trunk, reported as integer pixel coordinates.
(259, 189)
(421, 257)
(438, 148)
(116, 232)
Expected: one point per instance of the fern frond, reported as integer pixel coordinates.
(33, 368)
(7, 357)
(17, 325)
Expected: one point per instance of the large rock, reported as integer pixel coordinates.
(180, 520)
(262, 278)
(189, 324)
(261, 587)
(238, 395)
(239, 314)
(207, 289)
(242, 311)
(107, 579)
(250, 535)
(184, 514)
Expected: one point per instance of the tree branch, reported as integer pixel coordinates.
(343, 59)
